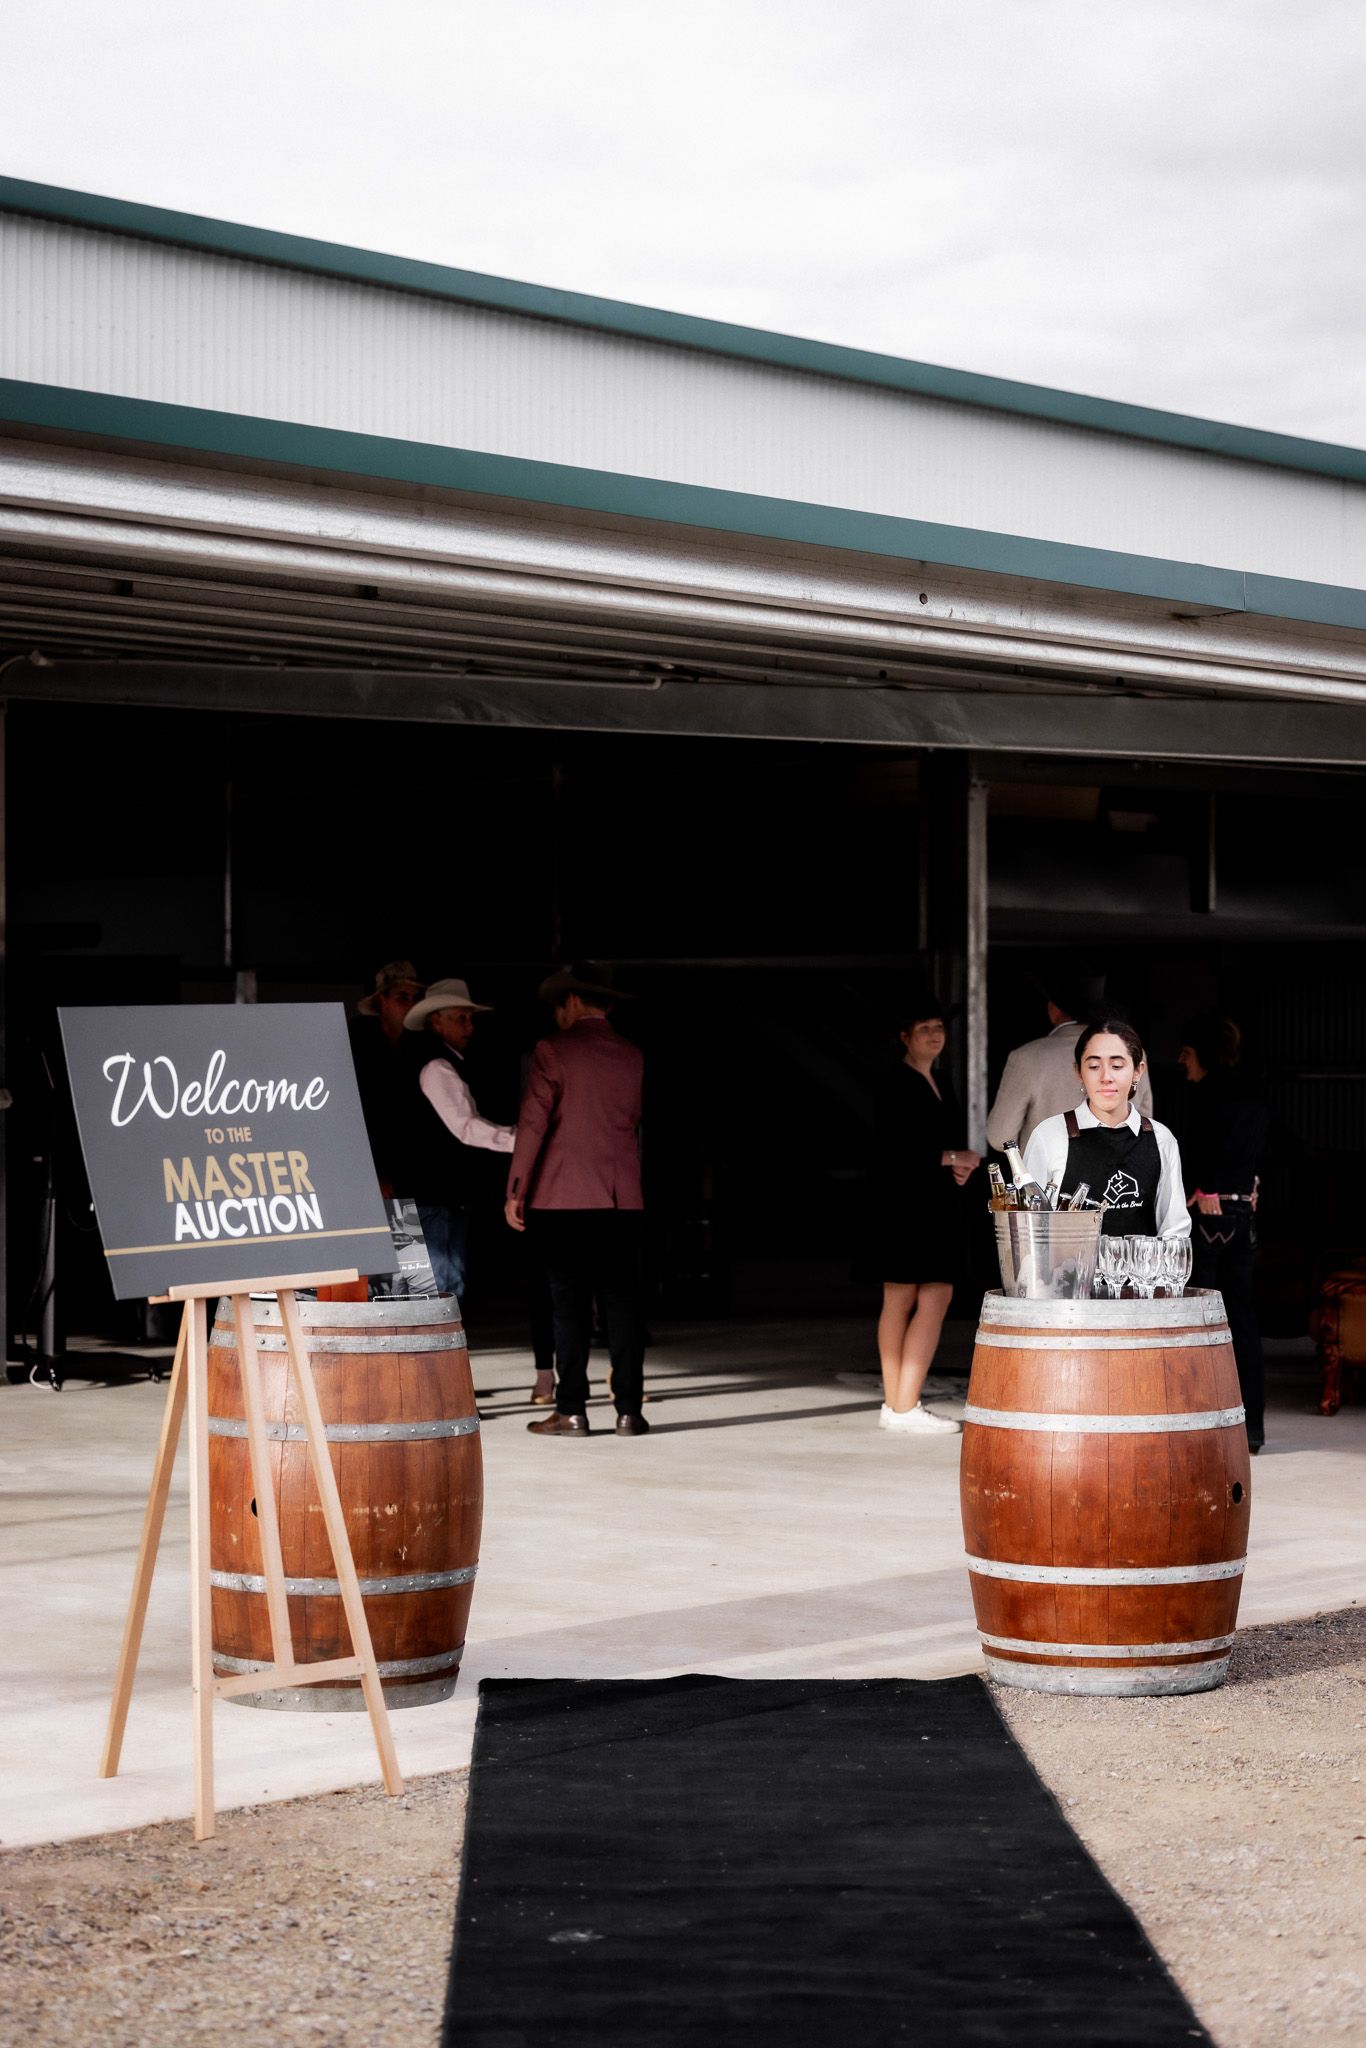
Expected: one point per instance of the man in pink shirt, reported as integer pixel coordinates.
(575, 1179)
(445, 1172)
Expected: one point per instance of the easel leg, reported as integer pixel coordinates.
(262, 1479)
(201, 1620)
(335, 1521)
(172, 1418)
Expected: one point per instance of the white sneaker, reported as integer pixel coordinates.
(918, 1421)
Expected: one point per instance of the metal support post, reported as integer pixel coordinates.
(952, 916)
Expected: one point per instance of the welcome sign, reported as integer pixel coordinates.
(224, 1143)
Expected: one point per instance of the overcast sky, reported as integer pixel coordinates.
(1158, 200)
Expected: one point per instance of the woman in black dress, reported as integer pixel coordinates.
(920, 1165)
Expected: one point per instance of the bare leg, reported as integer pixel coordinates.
(898, 1307)
(921, 1341)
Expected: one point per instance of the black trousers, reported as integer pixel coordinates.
(542, 1319)
(598, 1252)
(1225, 1254)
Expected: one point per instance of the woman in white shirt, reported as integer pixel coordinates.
(1126, 1160)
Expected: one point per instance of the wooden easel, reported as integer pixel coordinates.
(190, 1387)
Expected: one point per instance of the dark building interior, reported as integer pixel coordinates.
(769, 902)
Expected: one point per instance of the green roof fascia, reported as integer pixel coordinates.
(683, 330)
(149, 423)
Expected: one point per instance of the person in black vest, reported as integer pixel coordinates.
(386, 1074)
(452, 1131)
(1125, 1159)
(1226, 1140)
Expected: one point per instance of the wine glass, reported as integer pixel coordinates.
(1124, 1265)
(1146, 1264)
(1177, 1258)
(1110, 1269)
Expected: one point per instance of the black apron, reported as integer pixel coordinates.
(1121, 1167)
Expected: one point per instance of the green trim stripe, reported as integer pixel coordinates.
(87, 414)
(682, 330)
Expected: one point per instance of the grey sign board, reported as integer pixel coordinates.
(224, 1143)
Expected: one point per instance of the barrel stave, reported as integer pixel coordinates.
(412, 1505)
(1006, 1493)
(1211, 1487)
(1076, 1485)
(1135, 1510)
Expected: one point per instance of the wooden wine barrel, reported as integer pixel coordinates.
(394, 1386)
(1106, 1489)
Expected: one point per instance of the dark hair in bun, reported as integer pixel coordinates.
(1116, 1027)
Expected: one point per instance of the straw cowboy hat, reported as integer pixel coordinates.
(588, 978)
(442, 995)
(397, 974)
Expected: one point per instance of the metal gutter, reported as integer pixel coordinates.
(693, 630)
(148, 423)
(681, 330)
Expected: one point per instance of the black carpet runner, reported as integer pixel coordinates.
(779, 1865)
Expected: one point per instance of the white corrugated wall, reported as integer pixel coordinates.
(109, 313)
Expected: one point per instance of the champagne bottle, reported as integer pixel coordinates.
(1078, 1200)
(1001, 1197)
(1028, 1192)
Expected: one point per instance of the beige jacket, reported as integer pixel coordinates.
(1040, 1081)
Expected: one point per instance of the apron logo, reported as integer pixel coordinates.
(1122, 1191)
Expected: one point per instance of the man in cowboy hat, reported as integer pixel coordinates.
(446, 1175)
(384, 1072)
(575, 1178)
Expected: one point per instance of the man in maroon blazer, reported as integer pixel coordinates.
(575, 1179)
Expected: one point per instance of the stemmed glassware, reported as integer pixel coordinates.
(1147, 1264)
(1177, 1258)
(1112, 1268)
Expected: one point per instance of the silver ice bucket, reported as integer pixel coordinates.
(1048, 1254)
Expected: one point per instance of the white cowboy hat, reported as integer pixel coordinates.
(442, 995)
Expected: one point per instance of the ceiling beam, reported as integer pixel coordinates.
(1025, 722)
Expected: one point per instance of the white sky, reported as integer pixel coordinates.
(1158, 200)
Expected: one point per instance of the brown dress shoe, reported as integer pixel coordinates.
(560, 1425)
(632, 1425)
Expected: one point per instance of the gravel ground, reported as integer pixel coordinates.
(1234, 1822)
(325, 1921)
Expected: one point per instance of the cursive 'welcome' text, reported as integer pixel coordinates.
(216, 1095)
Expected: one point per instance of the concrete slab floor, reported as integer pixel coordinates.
(764, 1527)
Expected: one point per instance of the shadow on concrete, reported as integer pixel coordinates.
(767, 1624)
(99, 1369)
(827, 1411)
(600, 1406)
(26, 1506)
(659, 1395)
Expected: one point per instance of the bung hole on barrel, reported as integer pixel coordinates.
(1235, 1492)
